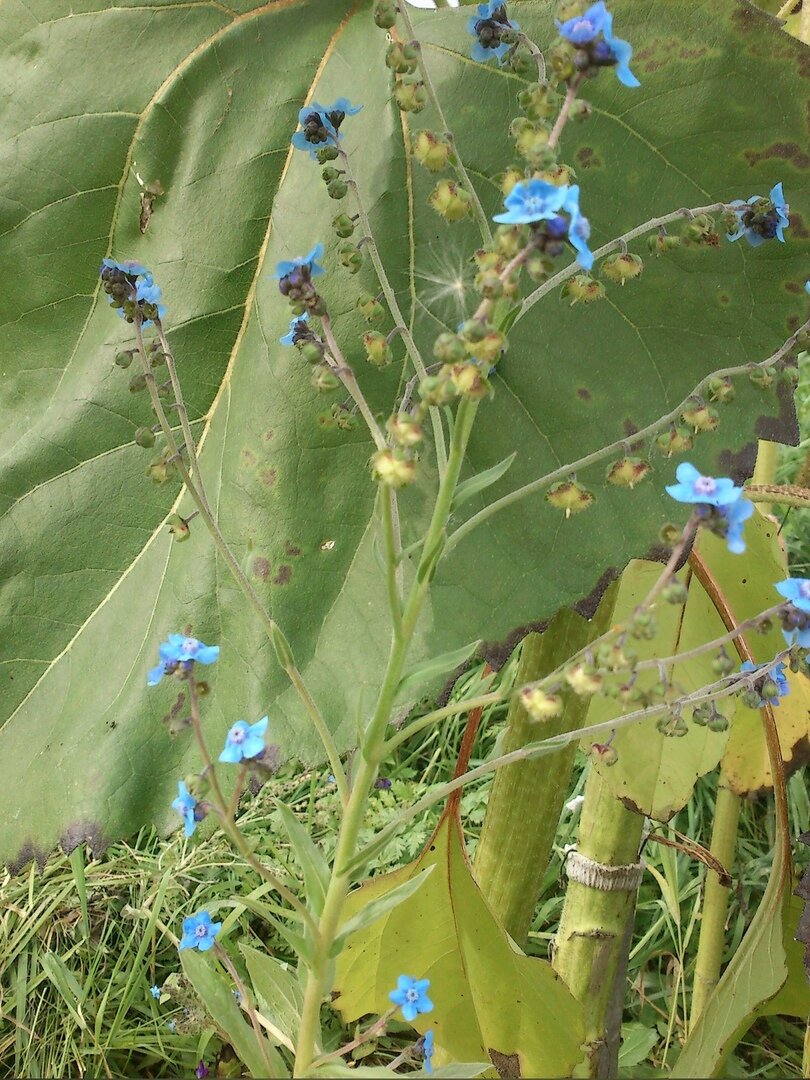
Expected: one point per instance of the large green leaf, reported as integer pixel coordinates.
(490, 1000)
(203, 96)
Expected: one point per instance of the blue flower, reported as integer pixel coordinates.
(758, 221)
(411, 995)
(797, 637)
(170, 1024)
(155, 991)
(146, 291)
(427, 1050)
(294, 332)
(320, 124)
(807, 286)
(776, 675)
(736, 514)
(186, 806)
(244, 741)
(532, 200)
(127, 266)
(579, 229)
(582, 29)
(309, 260)
(199, 932)
(487, 27)
(797, 590)
(181, 650)
(621, 52)
(692, 487)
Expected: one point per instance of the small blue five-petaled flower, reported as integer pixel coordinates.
(797, 591)
(411, 996)
(180, 650)
(584, 29)
(773, 225)
(289, 337)
(244, 741)
(621, 53)
(736, 514)
(777, 675)
(155, 991)
(486, 28)
(146, 290)
(320, 124)
(693, 487)
(537, 200)
(427, 1050)
(199, 932)
(186, 806)
(310, 260)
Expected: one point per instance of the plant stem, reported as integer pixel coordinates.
(391, 560)
(453, 709)
(765, 471)
(349, 380)
(250, 1008)
(784, 494)
(620, 444)
(564, 113)
(715, 900)
(456, 160)
(271, 626)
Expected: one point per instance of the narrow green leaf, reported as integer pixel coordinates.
(277, 989)
(65, 982)
(426, 672)
(375, 909)
(310, 858)
(475, 484)
(301, 945)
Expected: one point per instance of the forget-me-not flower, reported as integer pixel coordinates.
(310, 261)
(621, 53)
(777, 676)
(487, 28)
(582, 29)
(532, 200)
(244, 741)
(155, 991)
(199, 932)
(736, 514)
(320, 124)
(296, 332)
(797, 590)
(427, 1050)
(758, 222)
(693, 487)
(411, 996)
(186, 806)
(180, 650)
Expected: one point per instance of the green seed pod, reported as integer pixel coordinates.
(623, 267)
(410, 95)
(472, 331)
(512, 176)
(329, 174)
(628, 471)
(178, 527)
(370, 308)
(336, 189)
(351, 257)
(677, 440)
(437, 390)
(761, 377)
(137, 383)
(675, 593)
(385, 13)
(449, 348)
(700, 417)
(722, 390)
(378, 351)
(469, 381)
(343, 225)
(450, 200)
(602, 754)
(324, 380)
(661, 243)
(583, 289)
(431, 150)
(123, 359)
(393, 470)
(539, 102)
(405, 430)
(326, 153)
(145, 437)
(539, 267)
(312, 351)
(540, 705)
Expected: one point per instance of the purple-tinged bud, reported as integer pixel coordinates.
(602, 754)
(677, 440)
(628, 471)
(623, 267)
(393, 470)
(583, 289)
(540, 705)
(569, 496)
(410, 95)
(721, 390)
(431, 150)
(378, 351)
(382, 783)
(700, 416)
(178, 527)
(450, 200)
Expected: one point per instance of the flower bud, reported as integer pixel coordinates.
(326, 153)
(628, 471)
(613, 657)
(700, 416)
(561, 57)
(570, 497)
(750, 698)
(351, 257)
(401, 58)
(559, 175)
(721, 390)
(157, 358)
(761, 378)
(378, 351)
(723, 664)
(370, 307)
(123, 359)
(675, 592)
(405, 430)
(581, 110)
(539, 101)
(661, 243)
(622, 267)
(674, 727)
(343, 225)
(488, 283)
(324, 380)
(392, 470)
(512, 176)
(410, 95)
(718, 722)
(677, 440)
(145, 437)
(328, 174)
(703, 713)
(531, 144)
(508, 240)
(312, 351)
(602, 754)
(490, 348)
(385, 13)
(178, 527)
(450, 200)
(137, 383)
(437, 390)
(197, 786)
(449, 348)
(326, 420)
(539, 267)
(345, 420)
(431, 150)
(469, 381)
(701, 229)
(583, 679)
(159, 470)
(540, 705)
(472, 331)
(582, 288)
(336, 189)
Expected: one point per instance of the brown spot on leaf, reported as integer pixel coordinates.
(692, 54)
(84, 832)
(261, 567)
(587, 158)
(291, 549)
(248, 457)
(586, 607)
(723, 298)
(268, 476)
(628, 804)
(28, 853)
(508, 1065)
(629, 427)
(785, 151)
(798, 229)
(783, 428)
(268, 435)
(584, 393)
(283, 576)
(794, 287)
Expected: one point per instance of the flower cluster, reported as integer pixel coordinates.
(761, 219)
(493, 31)
(769, 689)
(592, 36)
(320, 126)
(796, 619)
(531, 202)
(295, 282)
(132, 291)
(723, 506)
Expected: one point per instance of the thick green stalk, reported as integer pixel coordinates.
(715, 900)
(765, 469)
(597, 907)
(525, 803)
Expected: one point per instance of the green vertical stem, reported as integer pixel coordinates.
(715, 901)
(592, 933)
(526, 800)
(765, 469)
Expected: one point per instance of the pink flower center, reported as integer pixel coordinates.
(705, 485)
(804, 589)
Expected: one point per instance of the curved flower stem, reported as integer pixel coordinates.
(458, 164)
(270, 625)
(537, 55)
(228, 824)
(620, 444)
(454, 709)
(565, 112)
(614, 245)
(723, 688)
(370, 1033)
(349, 380)
(393, 305)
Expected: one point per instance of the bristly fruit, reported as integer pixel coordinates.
(570, 497)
